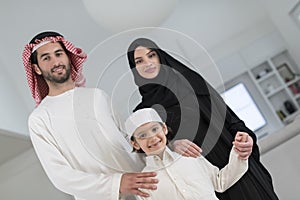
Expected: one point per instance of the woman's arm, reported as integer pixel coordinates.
(186, 148)
(235, 127)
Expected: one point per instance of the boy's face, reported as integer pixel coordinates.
(151, 138)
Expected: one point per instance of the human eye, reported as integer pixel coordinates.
(142, 135)
(45, 58)
(138, 61)
(152, 54)
(155, 129)
(58, 54)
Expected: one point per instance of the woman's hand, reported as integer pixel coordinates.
(243, 144)
(186, 148)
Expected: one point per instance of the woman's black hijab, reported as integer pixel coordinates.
(177, 89)
(195, 80)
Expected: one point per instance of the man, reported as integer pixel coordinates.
(72, 128)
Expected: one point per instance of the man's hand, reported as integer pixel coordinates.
(243, 144)
(186, 148)
(132, 182)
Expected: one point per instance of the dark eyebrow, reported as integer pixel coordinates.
(44, 54)
(151, 50)
(156, 124)
(57, 51)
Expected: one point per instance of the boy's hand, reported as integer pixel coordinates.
(243, 144)
(241, 137)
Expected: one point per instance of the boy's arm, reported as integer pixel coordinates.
(230, 174)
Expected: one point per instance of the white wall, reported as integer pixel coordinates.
(13, 113)
(214, 22)
(221, 27)
(279, 12)
(251, 54)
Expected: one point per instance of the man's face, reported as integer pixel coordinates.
(53, 63)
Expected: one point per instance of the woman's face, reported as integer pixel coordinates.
(147, 62)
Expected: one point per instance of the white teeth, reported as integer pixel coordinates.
(155, 144)
(58, 69)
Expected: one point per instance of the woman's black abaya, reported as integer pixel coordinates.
(191, 105)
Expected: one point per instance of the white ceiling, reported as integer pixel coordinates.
(211, 23)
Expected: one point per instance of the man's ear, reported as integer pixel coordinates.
(37, 69)
(135, 145)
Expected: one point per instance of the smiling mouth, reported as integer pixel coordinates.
(155, 144)
(58, 69)
(150, 70)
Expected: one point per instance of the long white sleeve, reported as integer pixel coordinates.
(80, 183)
(228, 175)
(79, 144)
(182, 178)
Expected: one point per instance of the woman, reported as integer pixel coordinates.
(191, 105)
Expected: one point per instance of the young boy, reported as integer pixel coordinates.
(179, 177)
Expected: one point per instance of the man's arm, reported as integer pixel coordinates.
(67, 178)
(135, 183)
(83, 184)
(131, 183)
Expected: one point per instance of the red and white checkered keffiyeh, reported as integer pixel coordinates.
(37, 84)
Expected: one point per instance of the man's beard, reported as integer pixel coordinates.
(57, 79)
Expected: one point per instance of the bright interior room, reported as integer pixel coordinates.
(247, 50)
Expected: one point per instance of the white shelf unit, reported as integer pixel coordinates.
(277, 80)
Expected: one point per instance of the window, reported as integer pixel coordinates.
(240, 101)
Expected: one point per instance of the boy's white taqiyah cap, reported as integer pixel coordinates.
(139, 118)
